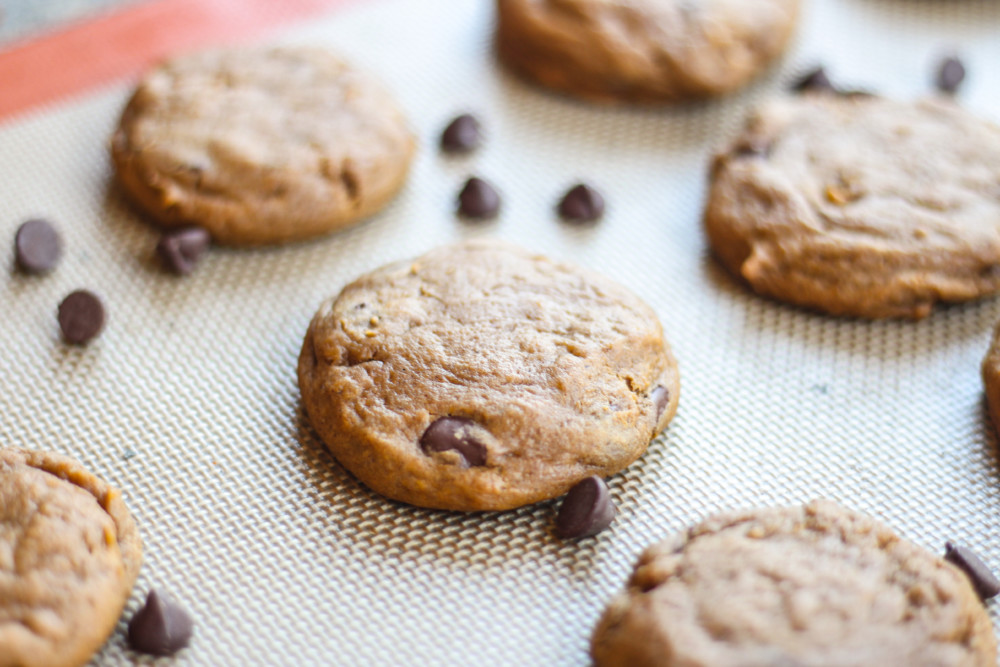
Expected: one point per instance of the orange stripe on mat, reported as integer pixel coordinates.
(125, 43)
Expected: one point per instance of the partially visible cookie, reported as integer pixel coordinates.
(991, 377)
(643, 50)
(69, 555)
(812, 586)
(480, 376)
(261, 145)
(859, 205)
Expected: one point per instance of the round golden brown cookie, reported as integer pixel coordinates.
(261, 146)
(643, 50)
(69, 555)
(483, 377)
(809, 586)
(860, 205)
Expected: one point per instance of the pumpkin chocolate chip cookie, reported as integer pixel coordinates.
(643, 50)
(483, 377)
(261, 145)
(812, 586)
(859, 205)
(69, 555)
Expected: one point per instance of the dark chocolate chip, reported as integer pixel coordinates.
(81, 317)
(661, 399)
(462, 135)
(983, 580)
(950, 74)
(815, 80)
(587, 509)
(581, 204)
(453, 433)
(37, 246)
(181, 249)
(160, 627)
(478, 199)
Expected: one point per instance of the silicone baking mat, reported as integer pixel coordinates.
(188, 400)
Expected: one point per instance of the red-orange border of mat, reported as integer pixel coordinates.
(121, 44)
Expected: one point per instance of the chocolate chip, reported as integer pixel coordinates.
(181, 249)
(160, 627)
(37, 246)
(815, 80)
(453, 433)
(752, 147)
(478, 199)
(983, 580)
(950, 74)
(587, 509)
(661, 399)
(81, 317)
(581, 204)
(462, 135)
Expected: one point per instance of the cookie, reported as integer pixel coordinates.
(991, 377)
(643, 51)
(262, 145)
(69, 555)
(480, 376)
(859, 205)
(818, 585)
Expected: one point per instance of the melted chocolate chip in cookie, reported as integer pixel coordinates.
(983, 580)
(181, 249)
(453, 433)
(661, 399)
(587, 509)
(814, 81)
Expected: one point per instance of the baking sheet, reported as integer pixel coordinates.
(188, 401)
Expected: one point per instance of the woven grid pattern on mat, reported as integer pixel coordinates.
(282, 557)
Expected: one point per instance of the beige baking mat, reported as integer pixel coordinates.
(188, 400)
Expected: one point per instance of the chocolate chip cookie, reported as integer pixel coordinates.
(69, 555)
(480, 376)
(859, 205)
(818, 585)
(643, 50)
(261, 145)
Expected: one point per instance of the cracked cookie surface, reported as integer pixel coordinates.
(811, 586)
(483, 377)
(643, 51)
(859, 205)
(69, 555)
(261, 145)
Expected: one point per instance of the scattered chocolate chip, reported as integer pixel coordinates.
(587, 509)
(661, 399)
(815, 80)
(37, 246)
(160, 627)
(478, 199)
(581, 204)
(181, 249)
(950, 74)
(81, 317)
(982, 578)
(453, 433)
(462, 135)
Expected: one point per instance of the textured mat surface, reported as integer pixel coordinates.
(188, 400)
